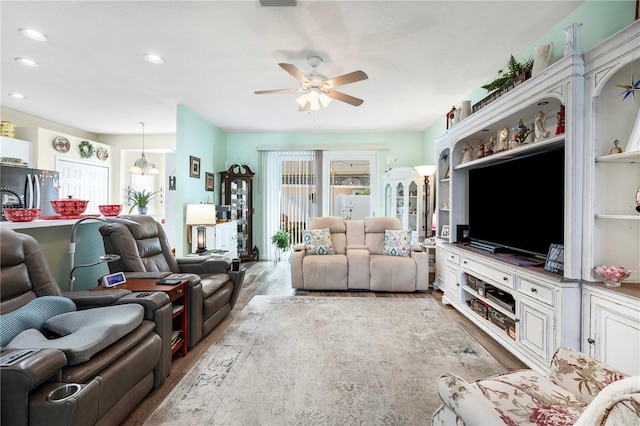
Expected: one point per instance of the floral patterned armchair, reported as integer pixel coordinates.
(577, 390)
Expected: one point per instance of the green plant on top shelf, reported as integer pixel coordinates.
(514, 70)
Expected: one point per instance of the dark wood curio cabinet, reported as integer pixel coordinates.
(236, 191)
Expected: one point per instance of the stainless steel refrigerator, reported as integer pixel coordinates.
(31, 188)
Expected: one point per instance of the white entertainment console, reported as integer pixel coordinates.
(538, 311)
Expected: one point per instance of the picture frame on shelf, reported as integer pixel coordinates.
(446, 231)
(555, 259)
(194, 167)
(209, 182)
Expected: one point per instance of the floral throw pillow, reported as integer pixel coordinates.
(317, 241)
(397, 243)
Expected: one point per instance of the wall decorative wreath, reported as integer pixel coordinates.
(86, 149)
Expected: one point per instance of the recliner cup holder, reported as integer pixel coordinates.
(63, 392)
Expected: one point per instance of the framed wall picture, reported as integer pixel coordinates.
(446, 231)
(194, 166)
(209, 181)
(555, 259)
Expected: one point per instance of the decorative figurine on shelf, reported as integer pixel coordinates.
(488, 147)
(503, 140)
(522, 133)
(560, 125)
(616, 149)
(450, 115)
(480, 152)
(466, 153)
(538, 124)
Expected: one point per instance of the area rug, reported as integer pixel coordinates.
(326, 361)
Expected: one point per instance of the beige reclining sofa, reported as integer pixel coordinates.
(367, 254)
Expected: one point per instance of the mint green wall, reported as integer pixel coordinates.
(196, 137)
(600, 19)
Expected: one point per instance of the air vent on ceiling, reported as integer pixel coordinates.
(277, 2)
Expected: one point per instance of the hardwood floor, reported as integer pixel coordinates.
(265, 278)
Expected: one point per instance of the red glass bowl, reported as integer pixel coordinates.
(69, 206)
(110, 209)
(21, 215)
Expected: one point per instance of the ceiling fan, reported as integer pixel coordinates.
(316, 88)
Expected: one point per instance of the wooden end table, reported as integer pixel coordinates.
(179, 300)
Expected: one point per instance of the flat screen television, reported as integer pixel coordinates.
(518, 204)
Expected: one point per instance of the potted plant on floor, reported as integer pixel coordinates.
(281, 240)
(140, 199)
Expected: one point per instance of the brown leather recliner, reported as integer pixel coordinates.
(145, 252)
(36, 377)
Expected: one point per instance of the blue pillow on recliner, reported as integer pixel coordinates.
(32, 315)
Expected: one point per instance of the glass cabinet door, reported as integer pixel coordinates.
(413, 206)
(400, 207)
(236, 191)
(388, 200)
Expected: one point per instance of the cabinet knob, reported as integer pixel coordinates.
(505, 278)
(464, 261)
(534, 290)
(590, 341)
(179, 291)
(458, 284)
(516, 320)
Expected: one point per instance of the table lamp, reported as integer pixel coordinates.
(201, 215)
(426, 171)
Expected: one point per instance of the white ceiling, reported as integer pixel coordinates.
(422, 57)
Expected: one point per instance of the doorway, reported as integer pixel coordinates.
(349, 183)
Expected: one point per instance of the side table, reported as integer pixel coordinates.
(177, 295)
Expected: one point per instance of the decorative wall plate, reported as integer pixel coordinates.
(103, 154)
(61, 144)
(86, 149)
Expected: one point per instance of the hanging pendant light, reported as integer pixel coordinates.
(141, 165)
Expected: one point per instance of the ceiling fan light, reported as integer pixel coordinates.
(302, 100)
(325, 100)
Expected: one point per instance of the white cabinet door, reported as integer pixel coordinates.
(613, 334)
(535, 329)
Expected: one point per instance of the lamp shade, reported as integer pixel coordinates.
(425, 170)
(201, 214)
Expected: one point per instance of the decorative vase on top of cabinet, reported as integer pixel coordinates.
(236, 185)
(403, 198)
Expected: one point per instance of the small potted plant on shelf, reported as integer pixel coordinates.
(515, 70)
(281, 240)
(140, 199)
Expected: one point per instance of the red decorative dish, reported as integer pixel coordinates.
(110, 209)
(69, 206)
(21, 215)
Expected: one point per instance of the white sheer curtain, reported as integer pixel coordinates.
(291, 195)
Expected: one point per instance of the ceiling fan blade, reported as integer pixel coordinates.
(266, 92)
(339, 96)
(291, 69)
(352, 77)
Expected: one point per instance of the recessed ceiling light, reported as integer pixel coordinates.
(17, 95)
(154, 59)
(27, 62)
(543, 103)
(33, 34)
